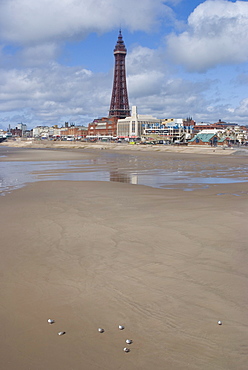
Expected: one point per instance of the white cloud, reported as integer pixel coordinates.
(38, 54)
(217, 34)
(25, 21)
(155, 89)
(242, 109)
(54, 93)
(153, 85)
(144, 85)
(145, 71)
(29, 56)
(144, 59)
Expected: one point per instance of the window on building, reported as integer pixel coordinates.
(133, 126)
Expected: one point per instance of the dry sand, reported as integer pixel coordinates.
(166, 264)
(193, 149)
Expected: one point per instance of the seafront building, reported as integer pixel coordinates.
(208, 139)
(43, 132)
(20, 130)
(54, 132)
(227, 135)
(102, 128)
(138, 127)
(134, 126)
(171, 130)
(147, 127)
(73, 132)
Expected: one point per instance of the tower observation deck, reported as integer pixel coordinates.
(119, 106)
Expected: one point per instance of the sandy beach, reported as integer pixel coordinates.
(192, 149)
(166, 264)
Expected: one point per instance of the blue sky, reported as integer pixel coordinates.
(185, 58)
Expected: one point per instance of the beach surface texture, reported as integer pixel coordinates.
(164, 264)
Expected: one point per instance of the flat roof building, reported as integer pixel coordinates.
(133, 126)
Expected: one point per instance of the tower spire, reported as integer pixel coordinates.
(119, 106)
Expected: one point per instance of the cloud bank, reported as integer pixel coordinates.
(25, 21)
(217, 33)
(54, 94)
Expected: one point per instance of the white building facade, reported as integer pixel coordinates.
(133, 126)
(42, 132)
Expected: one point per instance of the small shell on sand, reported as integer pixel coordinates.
(61, 332)
(129, 341)
(51, 321)
(100, 330)
(125, 349)
(219, 322)
(121, 327)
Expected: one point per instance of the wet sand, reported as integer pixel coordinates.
(166, 264)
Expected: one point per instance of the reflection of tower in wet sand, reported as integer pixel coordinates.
(123, 177)
(134, 179)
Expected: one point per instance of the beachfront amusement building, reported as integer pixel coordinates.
(237, 135)
(146, 126)
(171, 130)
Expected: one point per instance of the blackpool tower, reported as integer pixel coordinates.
(119, 106)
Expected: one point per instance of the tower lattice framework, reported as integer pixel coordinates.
(119, 106)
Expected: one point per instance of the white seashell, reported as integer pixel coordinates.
(129, 341)
(50, 321)
(219, 322)
(61, 332)
(121, 327)
(125, 349)
(100, 330)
